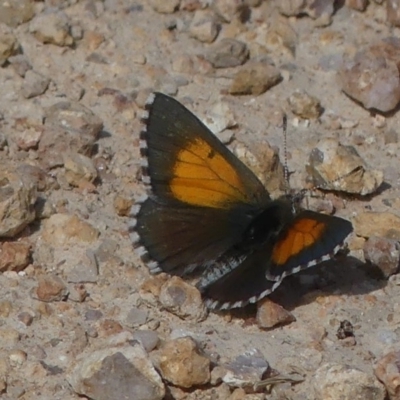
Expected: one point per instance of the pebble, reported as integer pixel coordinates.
(52, 28)
(182, 299)
(14, 13)
(181, 364)
(50, 288)
(136, 317)
(263, 160)
(304, 105)
(254, 78)
(372, 77)
(359, 5)
(17, 357)
(123, 372)
(69, 127)
(9, 338)
(29, 138)
(220, 117)
(87, 271)
(8, 44)
(381, 224)
(77, 293)
(393, 12)
(383, 253)
(388, 372)
(14, 256)
(18, 194)
(79, 169)
(34, 84)
(334, 166)
(246, 369)
(63, 229)
(122, 205)
(229, 10)
(270, 314)
(147, 338)
(204, 26)
(227, 53)
(337, 382)
(75, 118)
(165, 6)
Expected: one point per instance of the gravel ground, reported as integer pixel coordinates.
(81, 317)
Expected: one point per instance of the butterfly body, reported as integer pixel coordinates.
(207, 211)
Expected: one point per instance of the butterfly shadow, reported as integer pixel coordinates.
(345, 276)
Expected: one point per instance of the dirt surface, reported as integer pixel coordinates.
(116, 53)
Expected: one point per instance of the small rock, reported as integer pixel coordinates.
(14, 13)
(77, 293)
(230, 10)
(117, 373)
(50, 288)
(227, 53)
(369, 224)
(79, 169)
(204, 26)
(34, 84)
(345, 330)
(8, 43)
(254, 78)
(304, 105)
(5, 308)
(52, 28)
(270, 314)
(182, 299)
(383, 253)
(388, 372)
(220, 117)
(182, 365)
(18, 195)
(165, 6)
(14, 256)
(263, 160)
(109, 328)
(393, 12)
(246, 369)
(122, 205)
(9, 338)
(69, 127)
(334, 166)
(359, 5)
(17, 357)
(372, 77)
(87, 271)
(136, 317)
(337, 382)
(148, 339)
(151, 288)
(62, 229)
(26, 318)
(29, 138)
(74, 118)
(183, 64)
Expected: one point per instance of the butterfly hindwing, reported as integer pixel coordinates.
(308, 239)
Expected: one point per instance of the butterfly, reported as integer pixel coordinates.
(207, 211)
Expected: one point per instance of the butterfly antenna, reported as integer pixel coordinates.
(285, 157)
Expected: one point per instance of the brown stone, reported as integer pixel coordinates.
(182, 365)
(270, 314)
(50, 288)
(14, 256)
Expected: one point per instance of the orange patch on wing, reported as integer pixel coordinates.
(203, 177)
(303, 234)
